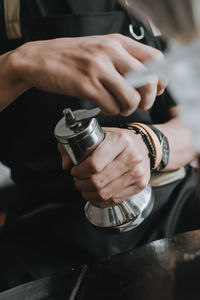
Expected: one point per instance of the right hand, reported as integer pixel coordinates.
(117, 169)
(90, 68)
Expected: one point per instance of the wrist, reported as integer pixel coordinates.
(18, 66)
(141, 142)
(160, 145)
(11, 83)
(154, 140)
(156, 143)
(147, 143)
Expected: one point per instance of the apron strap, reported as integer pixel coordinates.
(12, 18)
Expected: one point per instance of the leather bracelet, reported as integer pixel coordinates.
(147, 141)
(154, 139)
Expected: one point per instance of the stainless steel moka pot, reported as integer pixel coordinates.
(80, 133)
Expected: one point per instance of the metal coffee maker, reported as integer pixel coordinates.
(80, 133)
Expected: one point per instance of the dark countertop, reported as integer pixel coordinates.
(164, 269)
(167, 269)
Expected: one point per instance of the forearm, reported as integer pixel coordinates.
(91, 67)
(11, 85)
(180, 143)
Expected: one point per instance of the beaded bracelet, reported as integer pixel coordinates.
(147, 141)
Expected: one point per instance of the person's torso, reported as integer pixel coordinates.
(28, 144)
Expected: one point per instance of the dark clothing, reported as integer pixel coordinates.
(29, 148)
(28, 145)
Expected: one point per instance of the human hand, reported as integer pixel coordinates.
(90, 68)
(117, 169)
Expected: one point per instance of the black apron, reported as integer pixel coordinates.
(30, 150)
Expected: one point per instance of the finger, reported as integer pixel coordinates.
(93, 198)
(136, 175)
(145, 53)
(160, 92)
(101, 157)
(66, 162)
(112, 175)
(108, 104)
(134, 181)
(141, 51)
(148, 94)
(111, 189)
(125, 63)
(61, 149)
(162, 83)
(104, 200)
(127, 97)
(126, 193)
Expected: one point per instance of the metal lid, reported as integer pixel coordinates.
(76, 125)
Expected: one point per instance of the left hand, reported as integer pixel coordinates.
(117, 169)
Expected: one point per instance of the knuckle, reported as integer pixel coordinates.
(151, 87)
(155, 54)
(127, 112)
(122, 134)
(158, 55)
(130, 103)
(148, 97)
(139, 172)
(115, 110)
(94, 166)
(116, 36)
(115, 200)
(95, 64)
(137, 190)
(88, 62)
(140, 158)
(136, 100)
(92, 64)
(100, 204)
(109, 44)
(142, 183)
(146, 104)
(130, 157)
(125, 136)
(96, 183)
(104, 195)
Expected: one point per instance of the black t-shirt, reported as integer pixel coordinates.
(28, 145)
(48, 7)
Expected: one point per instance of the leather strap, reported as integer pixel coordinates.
(12, 18)
(154, 139)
